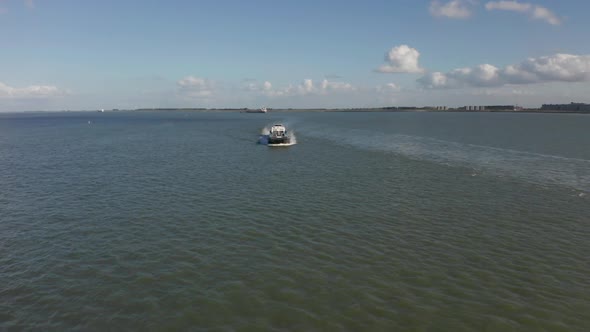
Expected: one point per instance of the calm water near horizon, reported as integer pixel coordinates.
(372, 222)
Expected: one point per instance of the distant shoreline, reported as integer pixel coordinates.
(365, 110)
(464, 111)
(319, 110)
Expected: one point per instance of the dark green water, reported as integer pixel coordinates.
(372, 222)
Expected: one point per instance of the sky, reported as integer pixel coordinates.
(88, 55)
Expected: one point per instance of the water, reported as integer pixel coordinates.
(382, 222)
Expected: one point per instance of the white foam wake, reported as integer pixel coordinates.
(530, 166)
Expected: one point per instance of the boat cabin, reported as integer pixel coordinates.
(278, 130)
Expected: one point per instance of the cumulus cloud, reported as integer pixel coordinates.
(252, 85)
(324, 87)
(195, 87)
(30, 92)
(544, 14)
(534, 11)
(328, 86)
(555, 68)
(401, 59)
(434, 80)
(514, 6)
(392, 86)
(306, 87)
(457, 9)
(388, 88)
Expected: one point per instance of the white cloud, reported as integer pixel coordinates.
(251, 86)
(30, 92)
(555, 68)
(327, 86)
(265, 87)
(434, 80)
(458, 9)
(306, 87)
(324, 87)
(392, 86)
(482, 75)
(401, 59)
(195, 87)
(559, 67)
(388, 88)
(534, 11)
(514, 6)
(544, 14)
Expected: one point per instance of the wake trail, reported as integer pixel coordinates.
(529, 166)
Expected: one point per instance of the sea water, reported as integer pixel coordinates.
(373, 221)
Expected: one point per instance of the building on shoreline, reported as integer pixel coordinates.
(571, 107)
(490, 108)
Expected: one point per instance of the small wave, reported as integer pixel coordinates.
(293, 137)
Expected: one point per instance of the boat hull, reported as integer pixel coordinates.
(279, 140)
(279, 145)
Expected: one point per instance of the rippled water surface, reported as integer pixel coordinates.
(374, 222)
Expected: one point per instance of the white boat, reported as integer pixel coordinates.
(278, 136)
(261, 110)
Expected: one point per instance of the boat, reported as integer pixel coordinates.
(260, 110)
(278, 136)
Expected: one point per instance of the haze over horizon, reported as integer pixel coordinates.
(88, 55)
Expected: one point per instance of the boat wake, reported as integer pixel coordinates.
(532, 167)
(281, 144)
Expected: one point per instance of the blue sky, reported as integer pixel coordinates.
(127, 54)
